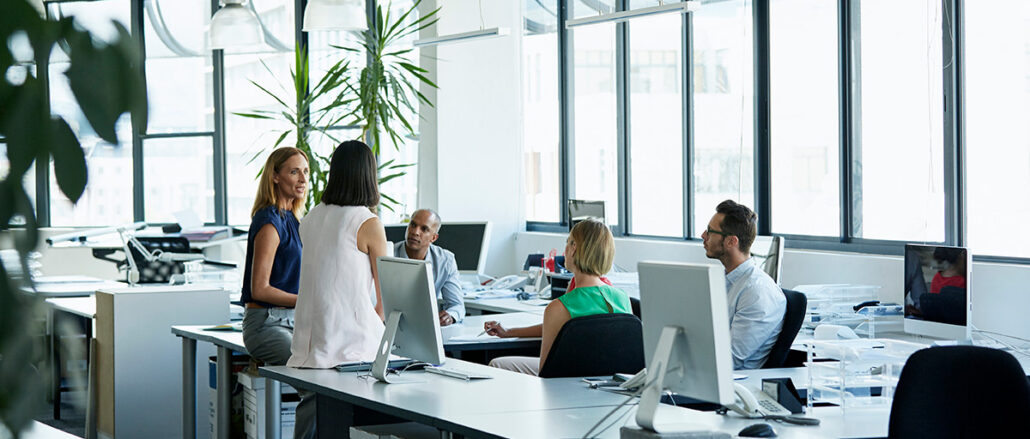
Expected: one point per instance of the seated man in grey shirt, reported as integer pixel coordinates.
(756, 303)
(418, 244)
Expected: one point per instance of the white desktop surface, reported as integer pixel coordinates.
(80, 306)
(472, 327)
(70, 286)
(505, 305)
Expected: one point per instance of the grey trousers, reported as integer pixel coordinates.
(267, 334)
(526, 365)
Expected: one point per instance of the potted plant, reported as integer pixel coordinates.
(106, 81)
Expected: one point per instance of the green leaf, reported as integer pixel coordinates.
(69, 160)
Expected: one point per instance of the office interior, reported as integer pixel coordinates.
(922, 145)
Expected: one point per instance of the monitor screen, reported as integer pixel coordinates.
(467, 240)
(580, 210)
(936, 290)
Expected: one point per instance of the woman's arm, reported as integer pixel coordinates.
(494, 328)
(555, 316)
(265, 244)
(372, 241)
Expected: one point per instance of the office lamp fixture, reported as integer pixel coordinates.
(345, 15)
(617, 17)
(483, 32)
(234, 26)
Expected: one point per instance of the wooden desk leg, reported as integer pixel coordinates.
(273, 409)
(224, 375)
(189, 388)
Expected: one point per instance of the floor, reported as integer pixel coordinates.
(73, 413)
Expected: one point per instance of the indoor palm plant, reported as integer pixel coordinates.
(106, 81)
(380, 98)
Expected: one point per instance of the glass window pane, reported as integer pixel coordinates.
(997, 68)
(540, 109)
(179, 70)
(656, 121)
(723, 107)
(596, 159)
(177, 175)
(108, 196)
(898, 116)
(586, 8)
(804, 117)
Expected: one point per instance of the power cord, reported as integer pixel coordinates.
(617, 408)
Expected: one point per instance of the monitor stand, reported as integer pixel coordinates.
(381, 365)
(649, 406)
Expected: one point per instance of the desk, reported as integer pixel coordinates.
(81, 307)
(229, 341)
(557, 407)
(506, 305)
(68, 286)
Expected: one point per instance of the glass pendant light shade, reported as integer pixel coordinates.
(346, 15)
(234, 26)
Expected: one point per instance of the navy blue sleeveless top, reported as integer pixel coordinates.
(286, 264)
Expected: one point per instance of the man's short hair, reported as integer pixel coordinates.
(740, 221)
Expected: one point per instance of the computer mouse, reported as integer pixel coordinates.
(757, 430)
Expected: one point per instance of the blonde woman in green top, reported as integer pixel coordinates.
(589, 253)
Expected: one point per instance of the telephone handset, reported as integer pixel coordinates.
(755, 405)
(509, 282)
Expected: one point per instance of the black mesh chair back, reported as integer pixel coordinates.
(797, 304)
(634, 303)
(961, 392)
(597, 345)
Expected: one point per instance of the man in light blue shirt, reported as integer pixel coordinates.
(423, 230)
(756, 304)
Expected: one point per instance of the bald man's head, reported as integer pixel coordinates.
(423, 230)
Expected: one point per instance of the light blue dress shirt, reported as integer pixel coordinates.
(445, 278)
(756, 307)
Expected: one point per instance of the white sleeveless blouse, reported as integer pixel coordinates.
(335, 320)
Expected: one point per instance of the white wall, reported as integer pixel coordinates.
(478, 108)
(1000, 292)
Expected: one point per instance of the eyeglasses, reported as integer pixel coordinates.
(711, 231)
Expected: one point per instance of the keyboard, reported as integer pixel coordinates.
(457, 373)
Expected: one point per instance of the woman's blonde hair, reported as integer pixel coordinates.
(595, 247)
(266, 193)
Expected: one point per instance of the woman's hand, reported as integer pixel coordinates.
(495, 329)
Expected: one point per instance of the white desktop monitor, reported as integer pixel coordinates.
(580, 210)
(936, 286)
(768, 253)
(409, 304)
(686, 336)
(469, 241)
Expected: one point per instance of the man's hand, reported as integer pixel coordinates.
(445, 318)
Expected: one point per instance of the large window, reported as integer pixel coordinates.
(723, 107)
(898, 155)
(804, 117)
(656, 121)
(178, 150)
(249, 141)
(595, 142)
(997, 66)
(108, 197)
(540, 128)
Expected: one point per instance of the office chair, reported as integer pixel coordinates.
(601, 344)
(797, 304)
(634, 303)
(960, 392)
(948, 306)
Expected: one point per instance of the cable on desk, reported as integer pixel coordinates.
(617, 408)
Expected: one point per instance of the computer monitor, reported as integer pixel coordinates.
(409, 304)
(580, 210)
(468, 241)
(768, 252)
(936, 286)
(686, 337)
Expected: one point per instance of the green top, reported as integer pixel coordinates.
(587, 301)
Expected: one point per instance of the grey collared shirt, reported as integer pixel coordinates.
(756, 307)
(445, 278)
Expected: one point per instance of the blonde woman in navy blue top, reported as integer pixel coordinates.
(271, 275)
